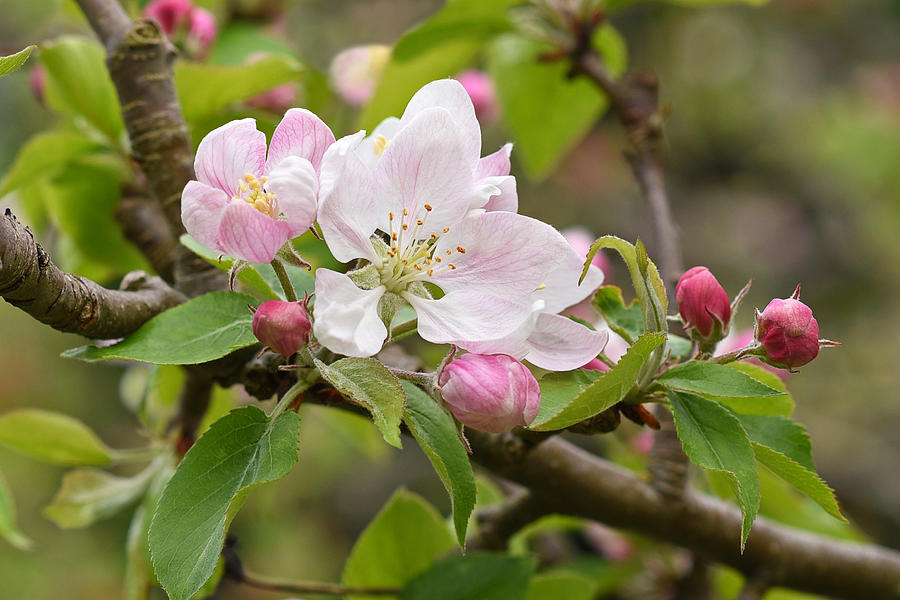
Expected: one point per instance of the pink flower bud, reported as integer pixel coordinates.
(490, 392)
(595, 364)
(355, 72)
(481, 90)
(788, 333)
(702, 301)
(202, 30)
(37, 80)
(282, 326)
(177, 16)
(169, 14)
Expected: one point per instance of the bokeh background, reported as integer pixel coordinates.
(783, 164)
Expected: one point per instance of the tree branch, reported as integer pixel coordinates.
(499, 523)
(144, 225)
(568, 480)
(30, 281)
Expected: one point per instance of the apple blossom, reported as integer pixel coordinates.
(247, 204)
(282, 326)
(703, 303)
(492, 393)
(355, 72)
(481, 90)
(788, 333)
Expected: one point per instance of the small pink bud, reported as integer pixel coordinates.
(276, 100)
(282, 326)
(481, 90)
(170, 14)
(595, 364)
(490, 392)
(202, 30)
(37, 80)
(788, 333)
(702, 301)
(355, 72)
(181, 16)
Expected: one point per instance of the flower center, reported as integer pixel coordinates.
(412, 254)
(252, 192)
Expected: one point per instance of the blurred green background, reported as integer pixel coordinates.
(783, 164)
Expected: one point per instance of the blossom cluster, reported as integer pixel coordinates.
(424, 219)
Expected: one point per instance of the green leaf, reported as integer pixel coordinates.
(44, 156)
(139, 573)
(78, 83)
(52, 437)
(627, 321)
(401, 79)
(403, 540)
(547, 112)
(713, 438)
(239, 451)
(561, 585)
(205, 90)
(470, 19)
(10, 63)
(8, 529)
(436, 434)
(200, 330)
(89, 495)
(678, 347)
(473, 577)
(780, 404)
(565, 402)
(707, 378)
(802, 478)
(780, 434)
(368, 383)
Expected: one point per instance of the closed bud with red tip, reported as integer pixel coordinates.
(490, 392)
(282, 326)
(703, 304)
(788, 333)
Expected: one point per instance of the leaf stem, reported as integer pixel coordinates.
(289, 396)
(285, 281)
(404, 329)
(278, 584)
(417, 377)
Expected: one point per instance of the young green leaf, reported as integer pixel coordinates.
(559, 585)
(802, 478)
(10, 63)
(53, 437)
(707, 378)
(403, 540)
(473, 577)
(239, 451)
(627, 321)
(78, 83)
(780, 404)
(547, 112)
(713, 438)
(436, 434)
(200, 330)
(560, 408)
(780, 434)
(368, 383)
(44, 156)
(8, 529)
(89, 495)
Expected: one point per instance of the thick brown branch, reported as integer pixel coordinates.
(30, 281)
(568, 480)
(498, 524)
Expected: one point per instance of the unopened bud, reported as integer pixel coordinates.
(355, 72)
(490, 392)
(788, 333)
(176, 17)
(37, 80)
(202, 31)
(282, 326)
(481, 90)
(703, 304)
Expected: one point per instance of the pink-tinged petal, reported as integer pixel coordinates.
(346, 317)
(467, 316)
(228, 153)
(452, 96)
(514, 344)
(494, 168)
(300, 133)
(505, 254)
(506, 198)
(560, 344)
(494, 164)
(248, 234)
(295, 185)
(202, 208)
(562, 289)
(425, 163)
(334, 161)
(349, 214)
(386, 129)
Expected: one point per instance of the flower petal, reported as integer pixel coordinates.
(514, 344)
(228, 153)
(467, 316)
(425, 163)
(349, 214)
(346, 317)
(494, 164)
(494, 169)
(562, 289)
(335, 160)
(452, 96)
(248, 234)
(202, 208)
(560, 344)
(300, 133)
(386, 129)
(294, 182)
(505, 254)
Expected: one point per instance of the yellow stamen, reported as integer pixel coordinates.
(460, 249)
(428, 207)
(540, 287)
(446, 229)
(452, 266)
(380, 145)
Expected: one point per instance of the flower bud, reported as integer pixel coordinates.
(202, 31)
(177, 16)
(703, 303)
(490, 392)
(788, 333)
(37, 80)
(481, 90)
(282, 326)
(169, 14)
(355, 72)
